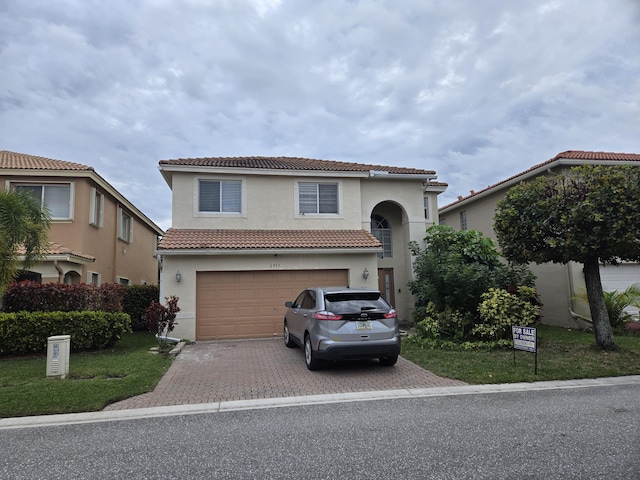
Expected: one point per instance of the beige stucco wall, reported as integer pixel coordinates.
(113, 257)
(269, 203)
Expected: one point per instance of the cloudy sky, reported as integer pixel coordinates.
(476, 90)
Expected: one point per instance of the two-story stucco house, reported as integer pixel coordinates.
(96, 235)
(250, 233)
(559, 286)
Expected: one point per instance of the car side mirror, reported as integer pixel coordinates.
(288, 304)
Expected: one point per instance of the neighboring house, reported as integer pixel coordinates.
(96, 235)
(558, 285)
(250, 233)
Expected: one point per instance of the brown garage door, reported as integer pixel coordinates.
(251, 304)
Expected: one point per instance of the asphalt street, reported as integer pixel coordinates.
(583, 431)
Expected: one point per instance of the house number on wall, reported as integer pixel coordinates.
(274, 265)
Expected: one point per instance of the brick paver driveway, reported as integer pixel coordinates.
(208, 372)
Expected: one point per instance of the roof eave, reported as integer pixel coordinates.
(264, 251)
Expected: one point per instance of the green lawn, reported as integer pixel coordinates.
(562, 355)
(95, 379)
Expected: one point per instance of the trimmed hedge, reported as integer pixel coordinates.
(136, 300)
(58, 297)
(27, 332)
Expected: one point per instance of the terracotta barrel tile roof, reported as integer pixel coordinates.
(603, 157)
(180, 239)
(291, 163)
(57, 249)
(31, 162)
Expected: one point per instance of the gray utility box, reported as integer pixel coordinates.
(58, 348)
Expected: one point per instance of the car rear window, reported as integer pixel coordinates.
(341, 303)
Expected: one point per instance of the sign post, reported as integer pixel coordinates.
(525, 338)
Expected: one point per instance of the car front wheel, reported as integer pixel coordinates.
(309, 357)
(287, 336)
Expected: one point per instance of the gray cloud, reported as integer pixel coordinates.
(475, 90)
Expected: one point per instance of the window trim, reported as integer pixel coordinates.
(196, 197)
(387, 243)
(299, 214)
(463, 220)
(426, 206)
(51, 183)
(90, 277)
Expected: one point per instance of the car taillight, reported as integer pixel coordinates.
(327, 316)
(391, 314)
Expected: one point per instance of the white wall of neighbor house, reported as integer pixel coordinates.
(189, 265)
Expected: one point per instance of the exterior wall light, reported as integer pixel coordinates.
(178, 276)
(365, 274)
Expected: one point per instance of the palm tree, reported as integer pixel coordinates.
(24, 223)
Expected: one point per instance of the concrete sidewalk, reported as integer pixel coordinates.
(222, 371)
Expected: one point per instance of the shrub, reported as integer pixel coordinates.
(57, 297)
(135, 301)
(160, 319)
(27, 332)
(500, 310)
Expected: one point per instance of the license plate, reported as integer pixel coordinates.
(363, 325)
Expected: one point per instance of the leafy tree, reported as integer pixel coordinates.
(590, 214)
(452, 273)
(23, 231)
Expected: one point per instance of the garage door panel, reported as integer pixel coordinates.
(251, 304)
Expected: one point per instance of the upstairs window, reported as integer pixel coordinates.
(56, 197)
(220, 196)
(425, 203)
(463, 220)
(125, 226)
(96, 208)
(317, 198)
(381, 230)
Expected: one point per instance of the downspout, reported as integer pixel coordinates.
(60, 271)
(574, 315)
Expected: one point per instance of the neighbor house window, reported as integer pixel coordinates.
(125, 226)
(425, 202)
(96, 208)
(220, 196)
(463, 220)
(93, 278)
(123, 281)
(56, 197)
(316, 198)
(381, 230)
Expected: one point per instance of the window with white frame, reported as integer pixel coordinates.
(425, 202)
(463, 220)
(381, 230)
(317, 198)
(125, 226)
(93, 278)
(96, 208)
(123, 281)
(56, 197)
(220, 196)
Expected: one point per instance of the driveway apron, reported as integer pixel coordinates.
(207, 372)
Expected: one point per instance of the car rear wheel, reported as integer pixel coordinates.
(287, 336)
(388, 361)
(309, 357)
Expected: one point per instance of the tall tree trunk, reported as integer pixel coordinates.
(599, 314)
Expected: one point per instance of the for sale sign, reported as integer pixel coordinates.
(524, 338)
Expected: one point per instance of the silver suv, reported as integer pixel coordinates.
(342, 323)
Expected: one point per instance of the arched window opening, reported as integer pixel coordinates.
(382, 231)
